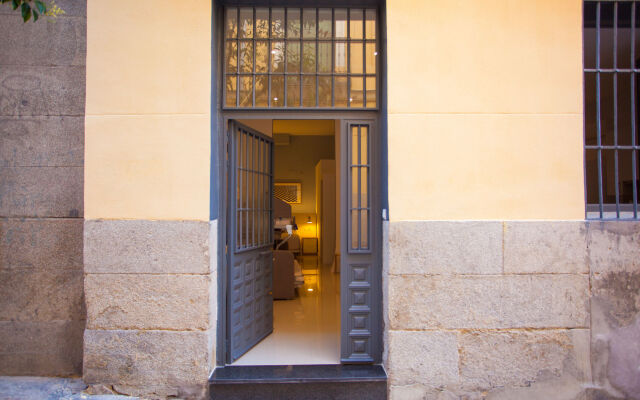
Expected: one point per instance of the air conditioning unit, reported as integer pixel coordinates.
(288, 192)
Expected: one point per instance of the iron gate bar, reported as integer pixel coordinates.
(634, 160)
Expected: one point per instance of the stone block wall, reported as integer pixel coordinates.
(42, 101)
(506, 310)
(151, 306)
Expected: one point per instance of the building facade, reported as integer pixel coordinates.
(497, 274)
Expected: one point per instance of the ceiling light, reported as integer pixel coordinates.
(310, 290)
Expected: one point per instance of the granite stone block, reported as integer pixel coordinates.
(41, 295)
(41, 348)
(42, 91)
(139, 246)
(545, 247)
(434, 247)
(489, 302)
(41, 142)
(614, 246)
(161, 363)
(44, 43)
(42, 192)
(143, 301)
(423, 357)
(490, 360)
(41, 244)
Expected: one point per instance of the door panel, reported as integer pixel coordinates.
(250, 302)
(361, 227)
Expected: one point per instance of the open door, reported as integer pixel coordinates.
(250, 230)
(361, 227)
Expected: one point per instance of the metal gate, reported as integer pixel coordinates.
(250, 260)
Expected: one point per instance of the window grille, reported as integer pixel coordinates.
(300, 58)
(611, 140)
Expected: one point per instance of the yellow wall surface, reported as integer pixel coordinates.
(147, 150)
(485, 109)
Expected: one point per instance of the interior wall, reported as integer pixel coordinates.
(296, 162)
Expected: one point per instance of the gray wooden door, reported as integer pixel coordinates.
(361, 236)
(250, 300)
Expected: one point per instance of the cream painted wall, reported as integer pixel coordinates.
(147, 153)
(485, 109)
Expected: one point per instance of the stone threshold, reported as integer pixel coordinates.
(297, 374)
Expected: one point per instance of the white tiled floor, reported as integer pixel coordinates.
(306, 330)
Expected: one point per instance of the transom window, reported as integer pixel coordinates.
(301, 58)
(612, 112)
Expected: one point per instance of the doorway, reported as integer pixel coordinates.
(328, 313)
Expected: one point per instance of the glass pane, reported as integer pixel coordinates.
(356, 24)
(246, 57)
(354, 187)
(277, 56)
(309, 57)
(324, 23)
(340, 91)
(357, 92)
(355, 160)
(293, 91)
(277, 22)
(246, 91)
(309, 23)
(324, 57)
(364, 227)
(608, 176)
(624, 109)
(230, 87)
(246, 23)
(262, 91)
(239, 230)
(606, 35)
(231, 23)
(624, 35)
(590, 109)
(340, 58)
(340, 23)
(606, 108)
(625, 169)
(324, 91)
(231, 55)
(357, 58)
(293, 22)
(371, 58)
(309, 91)
(364, 142)
(364, 184)
(354, 229)
(589, 34)
(293, 57)
(262, 56)
(370, 24)
(277, 91)
(371, 92)
(591, 165)
(262, 22)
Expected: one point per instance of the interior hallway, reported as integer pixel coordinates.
(306, 330)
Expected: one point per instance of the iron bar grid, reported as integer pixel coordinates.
(357, 91)
(611, 147)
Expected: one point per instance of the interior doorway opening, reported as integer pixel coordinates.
(305, 265)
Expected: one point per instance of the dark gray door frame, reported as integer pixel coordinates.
(373, 117)
(219, 142)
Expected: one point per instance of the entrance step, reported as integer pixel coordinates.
(296, 382)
